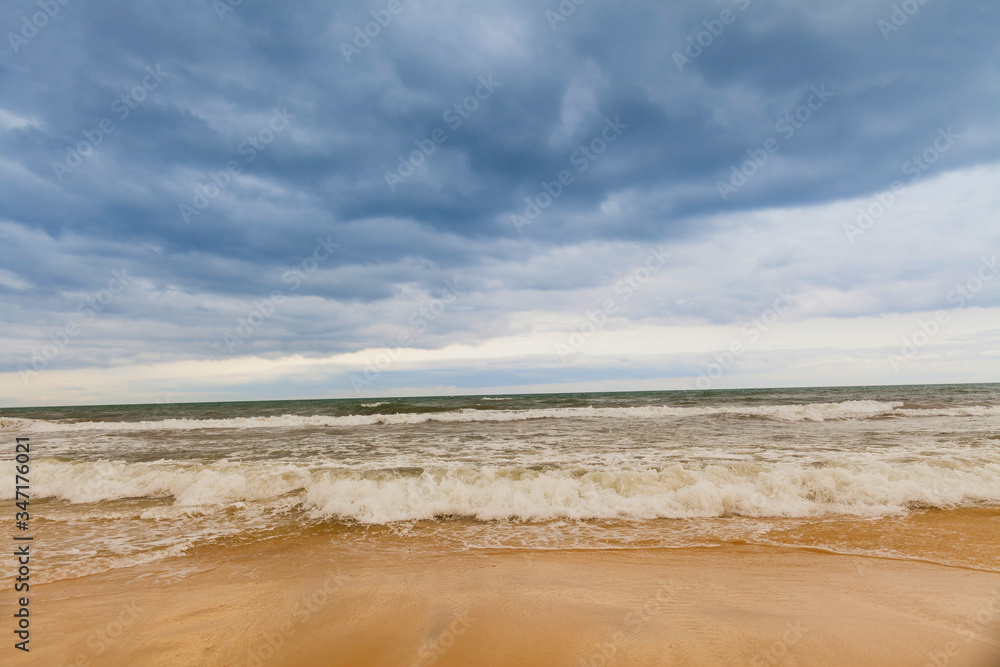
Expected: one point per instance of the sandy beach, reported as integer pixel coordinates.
(500, 334)
(302, 602)
(815, 527)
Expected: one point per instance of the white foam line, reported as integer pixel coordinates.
(751, 489)
(790, 413)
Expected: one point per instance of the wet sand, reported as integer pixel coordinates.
(308, 602)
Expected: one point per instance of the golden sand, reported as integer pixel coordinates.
(308, 602)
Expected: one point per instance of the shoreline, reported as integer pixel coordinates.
(309, 602)
(960, 537)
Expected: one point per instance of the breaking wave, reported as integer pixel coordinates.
(486, 493)
(815, 412)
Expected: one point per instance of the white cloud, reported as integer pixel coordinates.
(11, 121)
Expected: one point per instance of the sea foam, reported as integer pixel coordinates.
(751, 489)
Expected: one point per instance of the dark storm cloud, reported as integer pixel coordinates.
(211, 82)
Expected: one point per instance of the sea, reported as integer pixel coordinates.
(897, 471)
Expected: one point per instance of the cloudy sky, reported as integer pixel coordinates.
(223, 200)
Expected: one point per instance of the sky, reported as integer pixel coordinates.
(238, 200)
